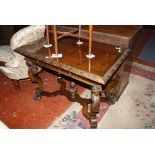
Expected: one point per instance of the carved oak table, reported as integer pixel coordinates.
(100, 73)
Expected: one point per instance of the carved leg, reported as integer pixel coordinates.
(62, 83)
(103, 97)
(72, 90)
(16, 84)
(33, 75)
(95, 105)
(38, 94)
(112, 88)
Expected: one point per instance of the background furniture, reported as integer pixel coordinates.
(7, 31)
(13, 65)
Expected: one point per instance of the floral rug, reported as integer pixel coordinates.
(134, 109)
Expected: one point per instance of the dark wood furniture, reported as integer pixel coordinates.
(7, 31)
(104, 73)
(124, 36)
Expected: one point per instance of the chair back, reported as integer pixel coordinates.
(27, 35)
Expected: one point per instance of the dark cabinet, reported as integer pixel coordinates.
(7, 31)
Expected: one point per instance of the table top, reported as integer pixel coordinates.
(127, 31)
(118, 35)
(99, 69)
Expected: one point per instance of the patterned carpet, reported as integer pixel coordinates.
(134, 109)
(19, 110)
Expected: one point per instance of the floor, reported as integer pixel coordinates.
(18, 110)
(143, 43)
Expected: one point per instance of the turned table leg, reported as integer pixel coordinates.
(95, 105)
(16, 84)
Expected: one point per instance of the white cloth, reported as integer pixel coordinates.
(15, 67)
(2, 125)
